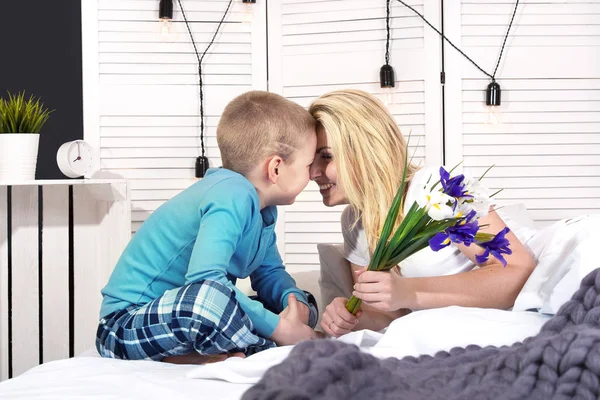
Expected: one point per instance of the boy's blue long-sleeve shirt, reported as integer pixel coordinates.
(213, 230)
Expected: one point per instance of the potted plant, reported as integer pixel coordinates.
(20, 123)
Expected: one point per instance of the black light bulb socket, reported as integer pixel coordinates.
(249, 1)
(387, 78)
(492, 94)
(201, 166)
(165, 10)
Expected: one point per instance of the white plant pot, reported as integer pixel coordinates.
(18, 156)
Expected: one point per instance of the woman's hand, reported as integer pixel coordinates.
(337, 320)
(383, 290)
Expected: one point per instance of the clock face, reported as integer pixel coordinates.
(80, 155)
(75, 158)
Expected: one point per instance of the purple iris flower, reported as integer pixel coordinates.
(453, 187)
(496, 247)
(462, 232)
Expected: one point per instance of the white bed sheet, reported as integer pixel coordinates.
(423, 332)
(420, 333)
(554, 280)
(107, 379)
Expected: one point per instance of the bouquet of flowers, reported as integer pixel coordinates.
(439, 217)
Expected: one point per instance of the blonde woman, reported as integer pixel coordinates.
(360, 154)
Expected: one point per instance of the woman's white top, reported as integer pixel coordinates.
(447, 261)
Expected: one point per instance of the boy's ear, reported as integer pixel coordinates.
(273, 169)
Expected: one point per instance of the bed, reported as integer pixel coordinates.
(566, 254)
(89, 376)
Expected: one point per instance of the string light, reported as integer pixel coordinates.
(387, 77)
(165, 16)
(202, 163)
(493, 91)
(386, 73)
(249, 11)
(493, 101)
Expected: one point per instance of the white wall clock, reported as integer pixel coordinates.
(75, 158)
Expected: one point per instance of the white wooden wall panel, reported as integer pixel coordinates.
(40, 286)
(547, 145)
(4, 345)
(546, 148)
(55, 272)
(87, 257)
(100, 234)
(25, 278)
(148, 90)
(319, 46)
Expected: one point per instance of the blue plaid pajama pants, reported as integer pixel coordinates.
(203, 317)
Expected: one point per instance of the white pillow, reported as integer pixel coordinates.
(565, 253)
(336, 275)
(420, 332)
(309, 281)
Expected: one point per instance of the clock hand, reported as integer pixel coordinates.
(78, 153)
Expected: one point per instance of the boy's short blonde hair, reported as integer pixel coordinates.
(256, 125)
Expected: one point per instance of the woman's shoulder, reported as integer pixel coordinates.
(350, 220)
(356, 248)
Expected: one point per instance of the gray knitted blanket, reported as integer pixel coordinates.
(561, 362)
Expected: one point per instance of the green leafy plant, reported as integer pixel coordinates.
(20, 115)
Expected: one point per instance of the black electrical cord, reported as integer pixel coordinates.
(491, 76)
(200, 58)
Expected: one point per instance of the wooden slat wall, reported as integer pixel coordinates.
(58, 245)
(148, 90)
(319, 46)
(55, 272)
(4, 286)
(546, 148)
(547, 144)
(25, 279)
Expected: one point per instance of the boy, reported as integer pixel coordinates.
(172, 295)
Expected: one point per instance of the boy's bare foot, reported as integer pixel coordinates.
(195, 358)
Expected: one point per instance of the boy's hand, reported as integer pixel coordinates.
(291, 329)
(303, 311)
(337, 320)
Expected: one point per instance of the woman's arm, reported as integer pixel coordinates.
(491, 286)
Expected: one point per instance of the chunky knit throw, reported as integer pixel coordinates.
(561, 362)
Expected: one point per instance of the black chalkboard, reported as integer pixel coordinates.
(40, 41)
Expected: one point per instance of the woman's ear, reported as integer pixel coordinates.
(273, 167)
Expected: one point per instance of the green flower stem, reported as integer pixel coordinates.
(414, 247)
(353, 305)
(405, 226)
(381, 250)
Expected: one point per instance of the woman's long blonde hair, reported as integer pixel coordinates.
(369, 152)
